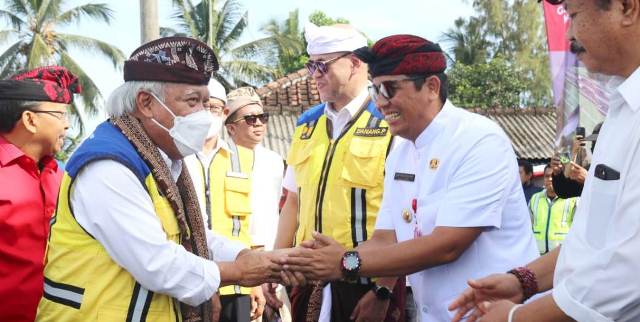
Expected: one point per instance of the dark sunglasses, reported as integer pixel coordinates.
(554, 2)
(253, 119)
(320, 65)
(387, 89)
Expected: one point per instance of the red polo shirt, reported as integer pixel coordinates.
(28, 199)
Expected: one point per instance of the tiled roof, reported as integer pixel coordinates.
(532, 130)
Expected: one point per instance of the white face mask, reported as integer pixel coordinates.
(216, 126)
(188, 132)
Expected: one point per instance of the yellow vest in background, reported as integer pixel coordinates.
(551, 219)
(228, 199)
(340, 181)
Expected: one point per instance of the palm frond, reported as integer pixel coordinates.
(21, 7)
(39, 54)
(91, 96)
(110, 52)
(248, 71)
(98, 11)
(232, 21)
(9, 59)
(255, 48)
(186, 8)
(234, 34)
(6, 34)
(13, 19)
(170, 32)
(47, 11)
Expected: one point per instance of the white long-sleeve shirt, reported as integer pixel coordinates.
(109, 202)
(596, 273)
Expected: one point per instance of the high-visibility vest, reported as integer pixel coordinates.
(228, 197)
(551, 219)
(340, 180)
(82, 282)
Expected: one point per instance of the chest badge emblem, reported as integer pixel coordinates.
(406, 215)
(434, 164)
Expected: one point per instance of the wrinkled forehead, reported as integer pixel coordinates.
(179, 89)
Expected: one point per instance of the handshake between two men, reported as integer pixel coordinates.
(317, 259)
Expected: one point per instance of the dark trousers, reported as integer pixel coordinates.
(235, 308)
(344, 298)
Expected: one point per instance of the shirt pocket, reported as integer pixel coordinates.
(428, 207)
(363, 164)
(601, 208)
(300, 160)
(236, 194)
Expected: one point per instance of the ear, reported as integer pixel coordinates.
(231, 128)
(144, 101)
(29, 121)
(356, 64)
(433, 85)
(630, 12)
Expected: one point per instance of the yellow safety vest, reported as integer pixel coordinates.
(82, 282)
(551, 219)
(227, 198)
(340, 181)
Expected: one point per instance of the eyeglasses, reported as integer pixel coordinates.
(387, 89)
(213, 108)
(554, 2)
(253, 119)
(320, 65)
(57, 114)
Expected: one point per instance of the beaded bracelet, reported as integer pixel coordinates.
(527, 280)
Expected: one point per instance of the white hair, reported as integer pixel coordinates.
(123, 99)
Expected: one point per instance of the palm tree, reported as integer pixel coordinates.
(468, 42)
(34, 27)
(221, 29)
(283, 47)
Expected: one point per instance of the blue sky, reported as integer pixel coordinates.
(376, 18)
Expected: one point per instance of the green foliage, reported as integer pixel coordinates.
(319, 18)
(484, 85)
(513, 30)
(33, 25)
(221, 27)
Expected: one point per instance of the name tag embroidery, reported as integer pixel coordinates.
(404, 177)
(371, 132)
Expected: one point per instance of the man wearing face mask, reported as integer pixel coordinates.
(128, 241)
(222, 176)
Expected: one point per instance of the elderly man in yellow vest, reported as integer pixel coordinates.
(551, 215)
(335, 178)
(128, 241)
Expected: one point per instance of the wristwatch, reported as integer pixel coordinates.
(351, 265)
(383, 293)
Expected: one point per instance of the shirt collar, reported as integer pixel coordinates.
(434, 128)
(175, 166)
(629, 90)
(220, 144)
(350, 109)
(8, 151)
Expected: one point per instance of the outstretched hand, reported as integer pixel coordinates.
(475, 300)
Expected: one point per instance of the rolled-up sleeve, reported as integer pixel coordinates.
(479, 186)
(111, 204)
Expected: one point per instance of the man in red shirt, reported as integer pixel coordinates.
(33, 122)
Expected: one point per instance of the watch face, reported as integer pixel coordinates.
(351, 262)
